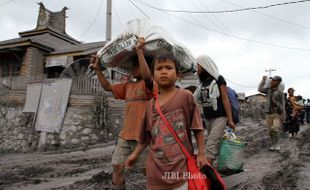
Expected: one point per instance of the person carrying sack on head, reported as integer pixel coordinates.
(136, 94)
(212, 95)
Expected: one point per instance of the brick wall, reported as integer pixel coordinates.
(33, 62)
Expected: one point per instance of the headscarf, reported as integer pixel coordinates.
(208, 64)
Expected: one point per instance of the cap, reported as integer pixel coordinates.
(277, 78)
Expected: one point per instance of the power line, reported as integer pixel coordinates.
(221, 25)
(217, 12)
(217, 23)
(244, 86)
(4, 3)
(139, 9)
(131, 9)
(234, 36)
(118, 19)
(94, 21)
(270, 16)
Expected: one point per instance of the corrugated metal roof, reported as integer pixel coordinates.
(12, 41)
(50, 40)
(36, 32)
(94, 46)
(59, 45)
(47, 40)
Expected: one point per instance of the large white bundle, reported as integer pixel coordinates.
(118, 52)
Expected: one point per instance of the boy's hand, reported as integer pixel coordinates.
(131, 160)
(201, 160)
(140, 44)
(94, 62)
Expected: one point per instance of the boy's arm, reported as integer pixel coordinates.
(201, 156)
(144, 69)
(135, 154)
(94, 61)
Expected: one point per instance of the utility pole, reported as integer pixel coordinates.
(109, 20)
(270, 70)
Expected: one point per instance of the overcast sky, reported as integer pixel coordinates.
(243, 44)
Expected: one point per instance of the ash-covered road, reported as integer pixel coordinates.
(91, 169)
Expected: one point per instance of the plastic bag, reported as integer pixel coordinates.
(229, 134)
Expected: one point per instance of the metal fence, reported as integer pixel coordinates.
(85, 85)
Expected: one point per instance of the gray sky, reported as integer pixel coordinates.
(242, 44)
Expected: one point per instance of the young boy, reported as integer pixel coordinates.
(166, 166)
(136, 93)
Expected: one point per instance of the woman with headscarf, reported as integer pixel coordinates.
(293, 112)
(212, 95)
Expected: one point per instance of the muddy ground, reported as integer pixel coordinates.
(90, 169)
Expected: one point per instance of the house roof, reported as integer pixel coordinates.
(22, 42)
(241, 95)
(49, 34)
(48, 41)
(86, 48)
(64, 55)
(36, 32)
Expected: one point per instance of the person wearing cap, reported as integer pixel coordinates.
(293, 111)
(275, 108)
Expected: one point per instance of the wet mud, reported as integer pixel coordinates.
(90, 169)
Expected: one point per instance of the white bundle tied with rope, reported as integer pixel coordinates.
(118, 52)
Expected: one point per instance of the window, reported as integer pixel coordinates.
(9, 65)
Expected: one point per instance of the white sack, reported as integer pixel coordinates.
(268, 84)
(117, 53)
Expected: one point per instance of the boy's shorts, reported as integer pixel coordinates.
(123, 149)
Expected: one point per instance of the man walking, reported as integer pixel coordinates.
(275, 108)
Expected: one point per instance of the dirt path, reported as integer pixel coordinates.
(90, 169)
(273, 170)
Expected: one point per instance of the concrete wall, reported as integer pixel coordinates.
(16, 131)
(89, 120)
